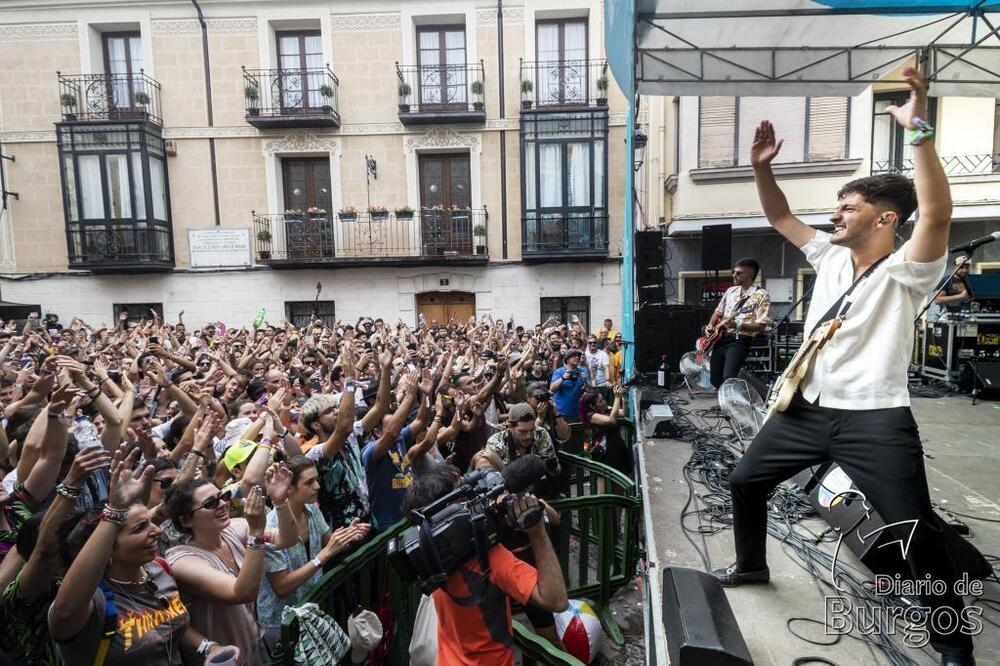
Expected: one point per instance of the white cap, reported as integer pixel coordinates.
(365, 630)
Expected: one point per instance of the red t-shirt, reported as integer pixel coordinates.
(482, 634)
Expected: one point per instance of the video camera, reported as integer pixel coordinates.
(466, 522)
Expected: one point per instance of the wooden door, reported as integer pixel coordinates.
(443, 306)
(300, 62)
(123, 65)
(445, 200)
(307, 185)
(441, 64)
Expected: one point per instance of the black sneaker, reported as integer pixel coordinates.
(731, 576)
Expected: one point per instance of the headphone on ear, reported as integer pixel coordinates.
(882, 220)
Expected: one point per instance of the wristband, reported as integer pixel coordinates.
(317, 563)
(283, 505)
(116, 516)
(205, 646)
(922, 133)
(258, 542)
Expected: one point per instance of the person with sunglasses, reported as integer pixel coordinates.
(118, 603)
(220, 567)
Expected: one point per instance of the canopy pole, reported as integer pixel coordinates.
(628, 259)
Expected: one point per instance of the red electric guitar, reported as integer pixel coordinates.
(707, 341)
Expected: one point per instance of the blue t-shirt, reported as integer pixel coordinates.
(388, 478)
(567, 396)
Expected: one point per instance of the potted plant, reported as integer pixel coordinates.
(348, 214)
(315, 211)
(251, 94)
(479, 231)
(602, 90)
(526, 88)
(327, 93)
(378, 212)
(404, 96)
(476, 87)
(141, 98)
(68, 102)
(264, 238)
(404, 213)
(293, 214)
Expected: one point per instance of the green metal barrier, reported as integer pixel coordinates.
(602, 517)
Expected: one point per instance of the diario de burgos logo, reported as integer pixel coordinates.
(915, 622)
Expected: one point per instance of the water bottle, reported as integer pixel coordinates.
(662, 372)
(86, 433)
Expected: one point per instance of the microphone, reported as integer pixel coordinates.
(973, 244)
(521, 474)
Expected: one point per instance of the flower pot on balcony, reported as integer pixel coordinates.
(69, 116)
(404, 108)
(481, 250)
(478, 106)
(602, 101)
(404, 214)
(253, 111)
(380, 215)
(327, 109)
(265, 255)
(347, 217)
(525, 104)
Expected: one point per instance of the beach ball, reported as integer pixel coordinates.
(580, 630)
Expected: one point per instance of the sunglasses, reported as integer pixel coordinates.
(164, 483)
(212, 503)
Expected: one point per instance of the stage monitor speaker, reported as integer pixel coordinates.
(717, 247)
(650, 279)
(698, 621)
(980, 377)
(669, 330)
(847, 515)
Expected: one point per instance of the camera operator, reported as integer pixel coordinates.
(481, 632)
(546, 414)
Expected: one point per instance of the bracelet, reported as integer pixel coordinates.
(116, 516)
(200, 455)
(283, 505)
(256, 543)
(72, 493)
(316, 562)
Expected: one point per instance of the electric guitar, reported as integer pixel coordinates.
(788, 383)
(705, 343)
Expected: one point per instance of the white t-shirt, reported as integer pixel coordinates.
(864, 365)
(597, 362)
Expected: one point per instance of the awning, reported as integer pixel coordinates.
(802, 48)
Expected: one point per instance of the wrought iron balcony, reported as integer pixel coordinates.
(296, 239)
(281, 98)
(120, 246)
(563, 84)
(954, 165)
(109, 97)
(441, 93)
(567, 235)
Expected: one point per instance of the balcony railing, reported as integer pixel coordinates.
(564, 83)
(120, 246)
(567, 234)
(954, 165)
(428, 236)
(441, 93)
(104, 97)
(291, 97)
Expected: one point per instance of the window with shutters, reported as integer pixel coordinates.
(814, 129)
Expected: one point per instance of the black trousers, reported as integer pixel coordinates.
(880, 450)
(728, 355)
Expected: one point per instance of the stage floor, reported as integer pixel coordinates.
(963, 462)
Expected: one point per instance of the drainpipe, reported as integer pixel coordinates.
(503, 132)
(208, 109)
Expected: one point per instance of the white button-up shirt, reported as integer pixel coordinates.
(864, 365)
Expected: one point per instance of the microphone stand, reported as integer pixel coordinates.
(784, 320)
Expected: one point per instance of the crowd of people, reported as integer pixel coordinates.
(169, 491)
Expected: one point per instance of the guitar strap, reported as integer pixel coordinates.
(840, 308)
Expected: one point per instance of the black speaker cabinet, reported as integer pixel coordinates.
(698, 621)
(650, 280)
(717, 247)
(980, 376)
(671, 330)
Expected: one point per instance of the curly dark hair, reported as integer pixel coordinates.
(888, 189)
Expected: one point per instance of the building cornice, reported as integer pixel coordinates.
(745, 173)
(38, 32)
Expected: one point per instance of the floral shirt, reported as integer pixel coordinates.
(16, 509)
(343, 486)
(24, 627)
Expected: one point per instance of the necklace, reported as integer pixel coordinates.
(143, 581)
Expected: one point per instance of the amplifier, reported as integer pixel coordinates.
(947, 344)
